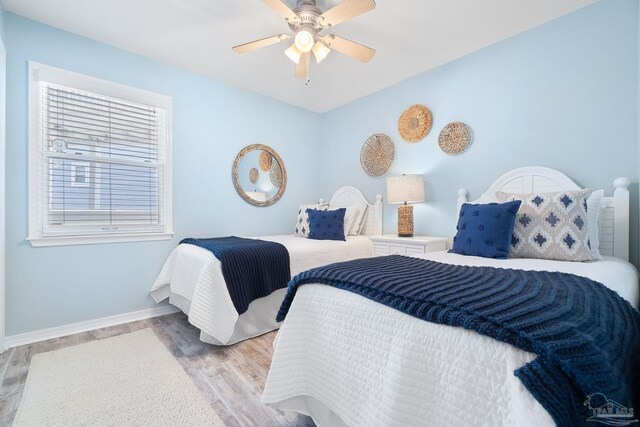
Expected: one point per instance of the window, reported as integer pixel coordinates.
(99, 160)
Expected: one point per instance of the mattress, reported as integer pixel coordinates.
(191, 278)
(346, 360)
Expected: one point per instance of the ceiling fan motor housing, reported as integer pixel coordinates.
(307, 3)
(308, 14)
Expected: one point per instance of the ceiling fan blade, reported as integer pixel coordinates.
(349, 48)
(257, 44)
(302, 68)
(283, 10)
(346, 10)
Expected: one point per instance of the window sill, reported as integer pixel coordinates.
(39, 241)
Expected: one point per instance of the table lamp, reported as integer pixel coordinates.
(405, 189)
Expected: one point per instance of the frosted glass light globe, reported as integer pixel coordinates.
(304, 41)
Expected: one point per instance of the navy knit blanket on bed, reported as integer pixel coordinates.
(251, 268)
(586, 337)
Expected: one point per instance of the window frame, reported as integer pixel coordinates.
(39, 73)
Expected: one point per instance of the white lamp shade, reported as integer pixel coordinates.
(320, 51)
(405, 189)
(293, 53)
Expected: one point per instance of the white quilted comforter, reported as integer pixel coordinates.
(192, 280)
(346, 360)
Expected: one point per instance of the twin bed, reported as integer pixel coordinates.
(192, 278)
(344, 359)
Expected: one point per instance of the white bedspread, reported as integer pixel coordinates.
(192, 280)
(346, 360)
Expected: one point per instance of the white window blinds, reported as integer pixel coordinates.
(103, 164)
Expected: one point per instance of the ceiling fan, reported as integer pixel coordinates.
(307, 23)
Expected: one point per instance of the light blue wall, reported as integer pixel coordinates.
(3, 106)
(563, 95)
(212, 121)
(2, 13)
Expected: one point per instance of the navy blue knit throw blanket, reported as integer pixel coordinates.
(586, 337)
(251, 268)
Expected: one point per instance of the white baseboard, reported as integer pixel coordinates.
(89, 325)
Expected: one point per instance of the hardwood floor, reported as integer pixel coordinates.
(231, 378)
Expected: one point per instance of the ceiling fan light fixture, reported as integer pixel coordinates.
(304, 41)
(293, 53)
(307, 23)
(320, 51)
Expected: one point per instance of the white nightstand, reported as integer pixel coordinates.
(390, 244)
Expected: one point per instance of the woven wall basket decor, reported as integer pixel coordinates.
(455, 138)
(415, 123)
(264, 161)
(275, 174)
(377, 155)
(253, 175)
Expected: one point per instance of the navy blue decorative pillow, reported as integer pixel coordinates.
(485, 230)
(326, 225)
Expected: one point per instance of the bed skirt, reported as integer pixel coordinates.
(259, 318)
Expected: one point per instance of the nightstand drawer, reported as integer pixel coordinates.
(397, 250)
(383, 249)
(380, 249)
(410, 246)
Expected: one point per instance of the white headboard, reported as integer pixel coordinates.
(614, 231)
(350, 196)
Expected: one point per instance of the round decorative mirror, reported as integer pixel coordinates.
(259, 175)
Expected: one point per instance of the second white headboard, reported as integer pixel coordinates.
(348, 196)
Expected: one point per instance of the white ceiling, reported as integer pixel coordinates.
(410, 36)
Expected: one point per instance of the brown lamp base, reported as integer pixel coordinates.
(405, 221)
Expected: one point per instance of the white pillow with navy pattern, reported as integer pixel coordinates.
(551, 226)
(302, 223)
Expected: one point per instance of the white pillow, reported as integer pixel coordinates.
(357, 222)
(354, 219)
(594, 203)
(363, 221)
(351, 223)
(302, 222)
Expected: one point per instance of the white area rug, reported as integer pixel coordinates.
(128, 380)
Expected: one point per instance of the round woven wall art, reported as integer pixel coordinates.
(275, 174)
(264, 161)
(253, 175)
(377, 154)
(455, 138)
(415, 123)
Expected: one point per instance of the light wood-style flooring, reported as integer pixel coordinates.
(231, 378)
